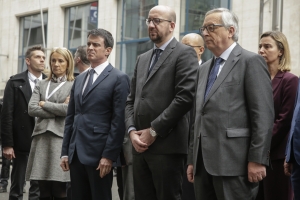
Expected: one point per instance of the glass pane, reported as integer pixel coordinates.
(31, 35)
(80, 20)
(193, 14)
(128, 53)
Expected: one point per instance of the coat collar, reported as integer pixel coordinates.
(165, 54)
(277, 79)
(229, 64)
(100, 78)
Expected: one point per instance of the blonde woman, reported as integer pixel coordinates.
(49, 103)
(273, 46)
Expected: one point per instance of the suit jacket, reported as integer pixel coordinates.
(163, 99)
(52, 116)
(16, 124)
(284, 86)
(293, 144)
(233, 126)
(95, 122)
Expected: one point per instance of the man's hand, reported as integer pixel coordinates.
(146, 137)
(288, 168)
(41, 103)
(256, 172)
(67, 100)
(64, 164)
(138, 145)
(190, 173)
(104, 166)
(8, 153)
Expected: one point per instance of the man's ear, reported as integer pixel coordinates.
(108, 51)
(231, 31)
(27, 60)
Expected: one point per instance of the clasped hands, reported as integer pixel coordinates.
(104, 166)
(141, 140)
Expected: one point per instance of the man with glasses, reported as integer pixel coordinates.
(234, 114)
(157, 119)
(196, 41)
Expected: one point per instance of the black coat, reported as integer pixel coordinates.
(16, 125)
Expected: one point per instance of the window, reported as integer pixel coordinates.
(132, 38)
(193, 14)
(31, 34)
(79, 21)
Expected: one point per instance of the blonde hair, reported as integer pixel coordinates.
(70, 62)
(283, 45)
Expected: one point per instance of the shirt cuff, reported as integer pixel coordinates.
(131, 128)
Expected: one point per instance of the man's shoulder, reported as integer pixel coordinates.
(19, 76)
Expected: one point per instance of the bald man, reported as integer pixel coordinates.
(196, 41)
(157, 118)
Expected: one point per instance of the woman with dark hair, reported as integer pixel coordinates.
(273, 46)
(49, 103)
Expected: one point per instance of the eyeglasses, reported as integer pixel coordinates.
(155, 21)
(209, 28)
(192, 45)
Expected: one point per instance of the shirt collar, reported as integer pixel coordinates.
(227, 52)
(100, 67)
(164, 45)
(33, 77)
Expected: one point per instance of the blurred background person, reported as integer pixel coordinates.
(49, 103)
(196, 41)
(17, 125)
(274, 48)
(80, 60)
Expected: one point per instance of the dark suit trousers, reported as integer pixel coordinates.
(86, 182)
(18, 178)
(296, 180)
(208, 187)
(188, 192)
(158, 177)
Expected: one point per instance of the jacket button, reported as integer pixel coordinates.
(143, 98)
(198, 137)
(25, 111)
(203, 113)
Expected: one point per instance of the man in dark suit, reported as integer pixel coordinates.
(16, 125)
(292, 162)
(231, 135)
(94, 128)
(157, 119)
(196, 41)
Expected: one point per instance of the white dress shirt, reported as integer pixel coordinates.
(225, 56)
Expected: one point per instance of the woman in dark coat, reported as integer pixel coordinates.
(274, 48)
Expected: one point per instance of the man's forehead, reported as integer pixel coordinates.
(37, 52)
(212, 18)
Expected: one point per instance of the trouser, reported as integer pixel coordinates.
(18, 178)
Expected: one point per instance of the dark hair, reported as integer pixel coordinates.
(106, 35)
(81, 53)
(34, 48)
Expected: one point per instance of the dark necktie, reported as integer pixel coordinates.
(36, 81)
(212, 76)
(90, 82)
(156, 53)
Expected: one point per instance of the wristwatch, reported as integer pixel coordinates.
(152, 132)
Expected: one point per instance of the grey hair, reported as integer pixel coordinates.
(228, 19)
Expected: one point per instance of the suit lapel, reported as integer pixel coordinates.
(25, 88)
(145, 69)
(81, 80)
(277, 80)
(229, 64)
(100, 78)
(165, 54)
(203, 76)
